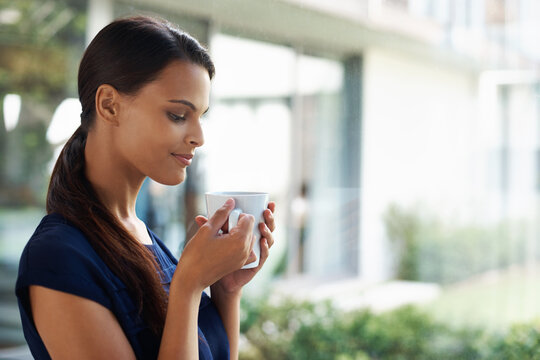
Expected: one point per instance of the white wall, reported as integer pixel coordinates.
(417, 145)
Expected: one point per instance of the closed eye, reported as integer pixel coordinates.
(176, 118)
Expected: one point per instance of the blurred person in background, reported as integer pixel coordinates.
(94, 281)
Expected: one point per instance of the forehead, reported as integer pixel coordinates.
(181, 80)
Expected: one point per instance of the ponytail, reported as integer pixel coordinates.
(71, 195)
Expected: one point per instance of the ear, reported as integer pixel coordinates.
(107, 103)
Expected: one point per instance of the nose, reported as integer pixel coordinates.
(195, 136)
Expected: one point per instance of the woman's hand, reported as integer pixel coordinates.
(234, 281)
(210, 255)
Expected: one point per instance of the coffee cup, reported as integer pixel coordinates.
(253, 203)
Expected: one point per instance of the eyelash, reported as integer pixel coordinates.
(175, 117)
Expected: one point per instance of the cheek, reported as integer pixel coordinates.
(133, 140)
(136, 141)
(142, 130)
(148, 138)
(154, 146)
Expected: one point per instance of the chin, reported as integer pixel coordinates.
(177, 179)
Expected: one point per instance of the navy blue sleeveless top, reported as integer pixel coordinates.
(58, 256)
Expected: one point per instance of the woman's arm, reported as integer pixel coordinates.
(73, 327)
(228, 305)
(180, 335)
(206, 258)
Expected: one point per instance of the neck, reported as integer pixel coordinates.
(115, 182)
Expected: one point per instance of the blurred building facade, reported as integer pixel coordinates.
(338, 109)
(374, 103)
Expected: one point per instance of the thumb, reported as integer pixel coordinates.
(219, 218)
(200, 220)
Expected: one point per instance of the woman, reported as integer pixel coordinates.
(94, 282)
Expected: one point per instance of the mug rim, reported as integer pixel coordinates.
(236, 193)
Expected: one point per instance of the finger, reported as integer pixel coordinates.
(269, 219)
(266, 233)
(252, 244)
(272, 206)
(245, 224)
(200, 220)
(225, 227)
(220, 217)
(265, 252)
(252, 256)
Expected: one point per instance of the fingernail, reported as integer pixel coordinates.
(229, 202)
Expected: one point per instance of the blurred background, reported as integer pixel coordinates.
(400, 140)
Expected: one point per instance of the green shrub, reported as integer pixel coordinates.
(272, 329)
(319, 331)
(403, 229)
(427, 249)
(521, 342)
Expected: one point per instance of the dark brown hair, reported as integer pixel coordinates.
(127, 54)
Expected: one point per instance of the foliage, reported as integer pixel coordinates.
(522, 342)
(402, 229)
(25, 170)
(427, 249)
(293, 330)
(40, 46)
(37, 47)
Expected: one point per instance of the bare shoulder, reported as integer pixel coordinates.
(73, 327)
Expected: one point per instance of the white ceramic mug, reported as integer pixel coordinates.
(253, 203)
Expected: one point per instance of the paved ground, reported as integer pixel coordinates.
(353, 293)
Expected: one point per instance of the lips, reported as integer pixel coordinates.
(184, 159)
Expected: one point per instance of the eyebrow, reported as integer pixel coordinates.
(188, 103)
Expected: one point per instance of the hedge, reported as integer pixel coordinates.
(317, 331)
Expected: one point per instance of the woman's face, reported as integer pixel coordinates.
(160, 125)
